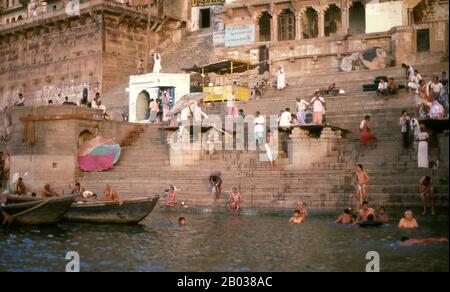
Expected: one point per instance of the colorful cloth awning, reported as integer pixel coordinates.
(98, 154)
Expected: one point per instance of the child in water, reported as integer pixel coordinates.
(182, 221)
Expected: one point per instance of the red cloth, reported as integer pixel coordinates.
(366, 137)
(96, 163)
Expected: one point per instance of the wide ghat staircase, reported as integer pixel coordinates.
(144, 168)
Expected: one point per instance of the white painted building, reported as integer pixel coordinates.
(144, 87)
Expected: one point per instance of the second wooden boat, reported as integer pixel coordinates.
(122, 212)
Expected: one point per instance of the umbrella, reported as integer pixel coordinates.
(186, 100)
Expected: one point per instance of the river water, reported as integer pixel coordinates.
(215, 241)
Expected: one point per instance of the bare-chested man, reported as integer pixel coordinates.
(365, 211)
(20, 187)
(110, 194)
(408, 221)
(346, 217)
(296, 218)
(301, 207)
(426, 187)
(235, 200)
(49, 192)
(362, 178)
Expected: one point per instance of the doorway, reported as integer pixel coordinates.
(205, 18)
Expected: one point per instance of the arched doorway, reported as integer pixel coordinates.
(85, 136)
(142, 104)
(286, 25)
(357, 18)
(310, 23)
(264, 27)
(332, 20)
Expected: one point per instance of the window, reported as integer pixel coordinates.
(423, 40)
(55, 7)
(286, 25)
(205, 18)
(264, 27)
(357, 18)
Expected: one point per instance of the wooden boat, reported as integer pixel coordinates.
(121, 212)
(34, 211)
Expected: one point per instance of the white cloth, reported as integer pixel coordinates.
(185, 113)
(231, 100)
(403, 123)
(362, 124)
(422, 153)
(281, 79)
(285, 119)
(436, 87)
(382, 86)
(259, 124)
(416, 78)
(317, 104)
(268, 152)
(414, 126)
(157, 65)
(302, 105)
(410, 73)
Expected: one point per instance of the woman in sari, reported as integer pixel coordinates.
(365, 134)
(422, 153)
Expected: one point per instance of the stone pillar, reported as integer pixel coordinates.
(403, 45)
(345, 20)
(298, 26)
(321, 15)
(274, 36)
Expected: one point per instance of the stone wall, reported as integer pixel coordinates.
(53, 157)
(48, 60)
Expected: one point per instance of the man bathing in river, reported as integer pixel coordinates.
(171, 197)
(426, 187)
(362, 178)
(382, 216)
(408, 221)
(296, 218)
(346, 217)
(406, 241)
(365, 211)
(215, 179)
(234, 202)
(301, 207)
(182, 221)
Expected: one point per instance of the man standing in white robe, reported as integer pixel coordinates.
(157, 63)
(281, 78)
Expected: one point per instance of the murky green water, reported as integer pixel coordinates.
(218, 242)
